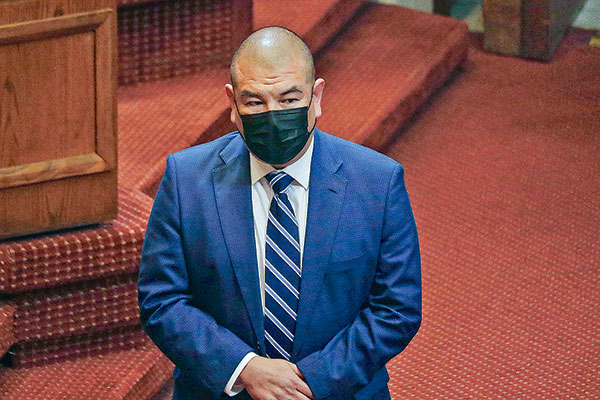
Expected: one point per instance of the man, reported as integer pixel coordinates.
(280, 262)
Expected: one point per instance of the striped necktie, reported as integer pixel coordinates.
(282, 270)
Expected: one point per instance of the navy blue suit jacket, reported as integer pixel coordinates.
(360, 296)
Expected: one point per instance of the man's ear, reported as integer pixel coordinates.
(318, 95)
(231, 96)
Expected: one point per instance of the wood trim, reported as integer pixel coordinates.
(52, 27)
(59, 168)
(105, 49)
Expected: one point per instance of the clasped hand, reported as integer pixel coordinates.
(274, 379)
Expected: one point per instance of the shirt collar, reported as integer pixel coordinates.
(299, 170)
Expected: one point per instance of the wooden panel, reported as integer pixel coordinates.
(13, 11)
(544, 25)
(24, 114)
(63, 66)
(58, 153)
(527, 28)
(54, 136)
(536, 28)
(502, 26)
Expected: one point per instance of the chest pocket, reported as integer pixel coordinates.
(356, 240)
(352, 256)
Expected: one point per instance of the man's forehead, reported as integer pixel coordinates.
(269, 67)
(264, 67)
(279, 78)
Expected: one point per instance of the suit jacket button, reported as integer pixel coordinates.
(258, 346)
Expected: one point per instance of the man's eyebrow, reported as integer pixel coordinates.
(293, 89)
(249, 93)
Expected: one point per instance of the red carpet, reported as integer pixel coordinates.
(316, 21)
(76, 309)
(503, 170)
(77, 255)
(159, 118)
(164, 39)
(383, 68)
(42, 352)
(134, 374)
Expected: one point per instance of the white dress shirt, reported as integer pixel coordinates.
(262, 193)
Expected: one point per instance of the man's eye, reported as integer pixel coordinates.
(289, 101)
(253, 103)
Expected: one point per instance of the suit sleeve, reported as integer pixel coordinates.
(391, 317)
(205, 351)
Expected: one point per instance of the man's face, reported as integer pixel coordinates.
(264, 87)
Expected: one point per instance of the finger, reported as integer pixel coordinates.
(298, 372)
(300, 396)
(303, 388)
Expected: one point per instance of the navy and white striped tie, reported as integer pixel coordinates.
(282, 270)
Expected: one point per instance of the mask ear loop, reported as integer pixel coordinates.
(236, 105)
(312, 93)
(233, 88)
(239, 115)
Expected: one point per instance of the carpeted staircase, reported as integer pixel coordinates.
(69, 301)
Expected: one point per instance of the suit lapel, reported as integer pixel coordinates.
(234, 205)
(326, 195)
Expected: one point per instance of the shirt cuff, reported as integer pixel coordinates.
(233, 388)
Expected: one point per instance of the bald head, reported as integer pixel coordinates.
(270, 48)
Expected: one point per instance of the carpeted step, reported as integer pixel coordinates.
(47, 351)
(76, 309)
(159, 118)
(7, 337)
(379, 72)
(316, 21)
(125, 3)
(134, 374)
(163, 39)
(78, 255)
(383, 69)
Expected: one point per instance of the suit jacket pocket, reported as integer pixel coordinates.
(346, 259)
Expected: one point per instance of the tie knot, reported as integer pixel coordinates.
(279, 181)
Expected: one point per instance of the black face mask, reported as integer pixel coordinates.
(277, 136)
